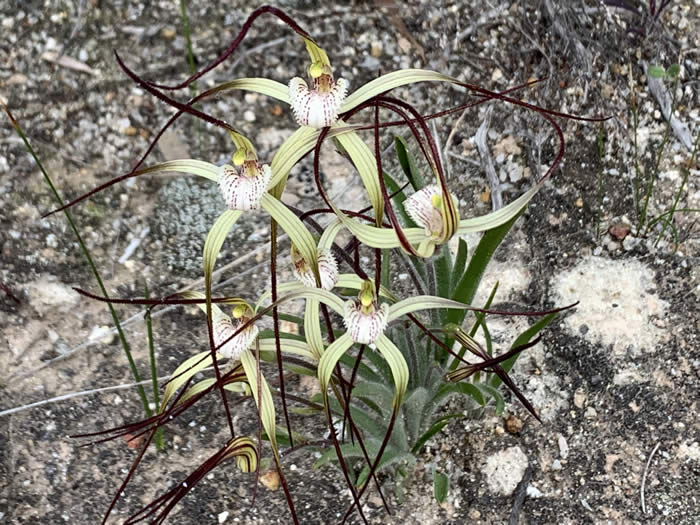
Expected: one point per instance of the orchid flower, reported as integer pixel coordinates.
(317, 107)
(303, 271)
(364, 318)
(427, 209)
(243, 187)
(232, 340)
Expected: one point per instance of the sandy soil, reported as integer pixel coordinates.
(616, 381)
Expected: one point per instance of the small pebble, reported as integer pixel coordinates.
(376, 49)
(270, 480)
(533, 492)
(619, 231)
(513, 424)
(563, 447)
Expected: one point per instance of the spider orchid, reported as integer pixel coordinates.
(426, 208)
(243, 184)
(364, 318)
(303, 271)
(434, 210)
(232, 340)
(317, 107)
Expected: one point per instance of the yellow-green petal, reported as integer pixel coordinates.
(423, 302)
(183, 373)
(193, 167)
(331, 357)
(264, 401)
(397, 363)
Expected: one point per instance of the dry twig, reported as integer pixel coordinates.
(644, 477)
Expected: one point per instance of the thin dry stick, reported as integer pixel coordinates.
(256, 49)
(457, 156)
(644, 477)
(487, 161)
(83, 393)
(448, 143)
(436, 137)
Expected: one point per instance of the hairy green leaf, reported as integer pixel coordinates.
(441, 485)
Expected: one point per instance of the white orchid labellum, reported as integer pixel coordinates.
(224, 328)
(327, 269)
(426, 208)
(244, 184)
(364, 318)
(317, 107)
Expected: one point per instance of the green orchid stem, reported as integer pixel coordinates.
(276, 325)
(93, 267)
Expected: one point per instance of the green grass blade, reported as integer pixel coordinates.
(465, 289)
(434, 429)
(88, 257)
(408, 164)
(158, 438)
(460, 262)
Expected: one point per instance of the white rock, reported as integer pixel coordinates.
(515, 171)
(504, 470)
(563, 447)
(689, 451)
(630, 243)
(533, 492)
(51, 240)
(45, 295)
(617, 301)
(223, 516)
